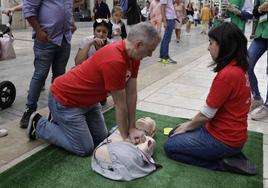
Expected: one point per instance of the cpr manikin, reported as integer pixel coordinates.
(121, 160)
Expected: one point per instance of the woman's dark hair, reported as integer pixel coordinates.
(103, 22)
(232, 45)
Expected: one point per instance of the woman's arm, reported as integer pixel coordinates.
(196, 122)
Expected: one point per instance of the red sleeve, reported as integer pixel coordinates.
(136, 66)
(114, 75)
(219, 92)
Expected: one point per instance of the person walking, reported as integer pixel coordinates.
(205, 17)
(180, 14)
(168, 16)
(155, 15)
(256, 49)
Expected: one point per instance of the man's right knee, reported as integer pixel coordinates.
(84, 150)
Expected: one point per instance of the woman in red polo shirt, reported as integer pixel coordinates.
(219, 130)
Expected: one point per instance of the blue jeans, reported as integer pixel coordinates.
(198, 148)
(46, 55)
(255, 51)
(74, 129)
(164, 48)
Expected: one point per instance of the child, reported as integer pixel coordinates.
(155, 15)
(117, 29)
(94, 42)
(145, 12)
(215, 137)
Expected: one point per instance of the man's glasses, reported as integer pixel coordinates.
(99, 20)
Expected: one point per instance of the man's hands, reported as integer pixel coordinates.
(136, 136)
(42, 36)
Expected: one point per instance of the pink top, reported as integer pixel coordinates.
(155, 10)
(179, 10)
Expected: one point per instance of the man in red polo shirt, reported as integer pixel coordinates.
(74, 98)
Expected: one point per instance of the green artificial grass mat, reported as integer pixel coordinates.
(54, 167)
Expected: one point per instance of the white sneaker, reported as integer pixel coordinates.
(3, 132)
(260, 113)
(255, 104)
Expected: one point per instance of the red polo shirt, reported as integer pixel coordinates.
(88, 83)
(230, 94)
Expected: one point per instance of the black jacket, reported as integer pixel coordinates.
(101, 10)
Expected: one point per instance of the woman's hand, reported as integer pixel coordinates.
(182, 128)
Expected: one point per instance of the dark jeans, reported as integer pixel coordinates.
(164, 48)
(198, 148)
(255, 51)
(46, 55)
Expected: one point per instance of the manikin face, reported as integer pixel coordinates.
(213, 48)
(147, 124)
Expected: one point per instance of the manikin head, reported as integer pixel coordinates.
(146, 124)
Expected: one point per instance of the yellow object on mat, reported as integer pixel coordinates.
(167, 130)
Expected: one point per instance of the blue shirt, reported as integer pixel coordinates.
(54, 16)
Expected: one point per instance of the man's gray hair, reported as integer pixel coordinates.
(144, 32)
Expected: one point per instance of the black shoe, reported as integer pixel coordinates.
(103, 102)
(35, 117)
(240, 164)
(25, 118)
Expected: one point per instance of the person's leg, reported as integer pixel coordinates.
(266, 44)
(203, 26)
(177, 34)
(68, 129)
(199, 148)
(44, 55)
(262, 112)
(60, 62)
(96, 124)
(159, 26)
(206, 27)
(164, 48)
(255, 51)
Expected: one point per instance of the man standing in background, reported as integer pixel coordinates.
(168, 16)
(52, 23)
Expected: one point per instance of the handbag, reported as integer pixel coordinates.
(6, 47)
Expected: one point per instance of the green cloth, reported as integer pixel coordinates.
(241, 24)
(262, 27)
(54, 167)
